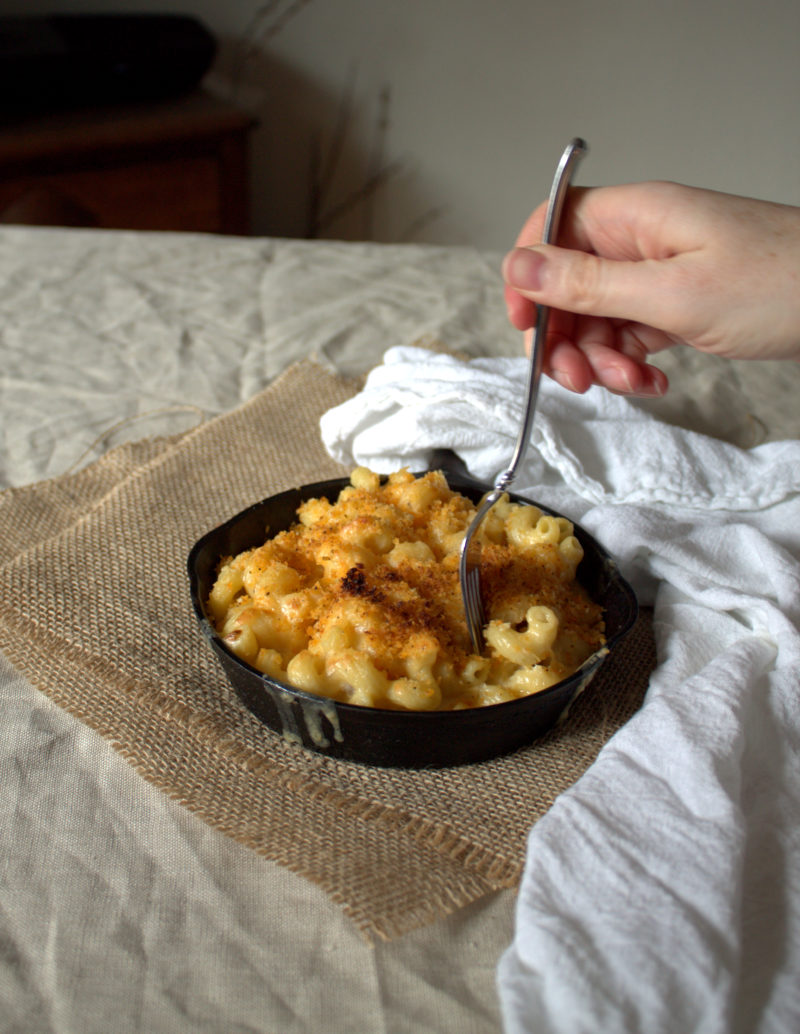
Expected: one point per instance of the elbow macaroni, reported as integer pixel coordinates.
(360, 601)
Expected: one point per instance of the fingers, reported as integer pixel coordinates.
(604, 309)
(582, 283)
(581, 351)
(521, 311)
(578, 369)
(573, 232)
(661, 264)
(533, 229)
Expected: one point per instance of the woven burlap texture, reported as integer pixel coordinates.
(95, 612)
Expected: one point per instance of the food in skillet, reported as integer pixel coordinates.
(359, 601)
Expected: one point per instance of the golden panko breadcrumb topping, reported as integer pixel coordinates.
(360, 599)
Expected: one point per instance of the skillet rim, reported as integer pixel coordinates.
(465, 485)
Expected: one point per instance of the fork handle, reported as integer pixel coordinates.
(574, 151)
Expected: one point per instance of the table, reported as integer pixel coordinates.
(119, 909)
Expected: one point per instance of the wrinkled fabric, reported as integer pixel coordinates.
(107, 336)
(119, 909)
(662, 892)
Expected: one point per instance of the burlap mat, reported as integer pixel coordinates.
(95, 612)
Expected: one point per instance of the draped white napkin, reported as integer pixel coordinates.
(662, 892)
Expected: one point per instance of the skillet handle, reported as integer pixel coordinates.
(451, 463)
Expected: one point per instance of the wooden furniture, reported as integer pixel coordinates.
(178, 164)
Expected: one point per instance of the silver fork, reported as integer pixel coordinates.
(470, 558)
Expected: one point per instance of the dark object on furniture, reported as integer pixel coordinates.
(175, 164)
(60, 61)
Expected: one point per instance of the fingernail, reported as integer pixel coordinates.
(617, 378)
(522, 268)
(563, 378)
(654, 390)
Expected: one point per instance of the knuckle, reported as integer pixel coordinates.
(583, 284)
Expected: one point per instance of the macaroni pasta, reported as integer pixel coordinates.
(360, 601)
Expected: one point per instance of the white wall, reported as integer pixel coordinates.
(484, 94)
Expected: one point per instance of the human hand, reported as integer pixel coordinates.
(643, 267)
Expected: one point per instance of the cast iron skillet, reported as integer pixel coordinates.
(398, 738)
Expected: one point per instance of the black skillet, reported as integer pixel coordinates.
(406, 739)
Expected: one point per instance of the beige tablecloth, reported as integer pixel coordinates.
(120, 908)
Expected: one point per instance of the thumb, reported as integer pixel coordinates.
(579, 282)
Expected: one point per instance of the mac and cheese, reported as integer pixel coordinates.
(360, 600)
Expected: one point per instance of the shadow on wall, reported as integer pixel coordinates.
(321, 165)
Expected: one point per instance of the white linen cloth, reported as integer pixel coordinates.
(661, 893)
